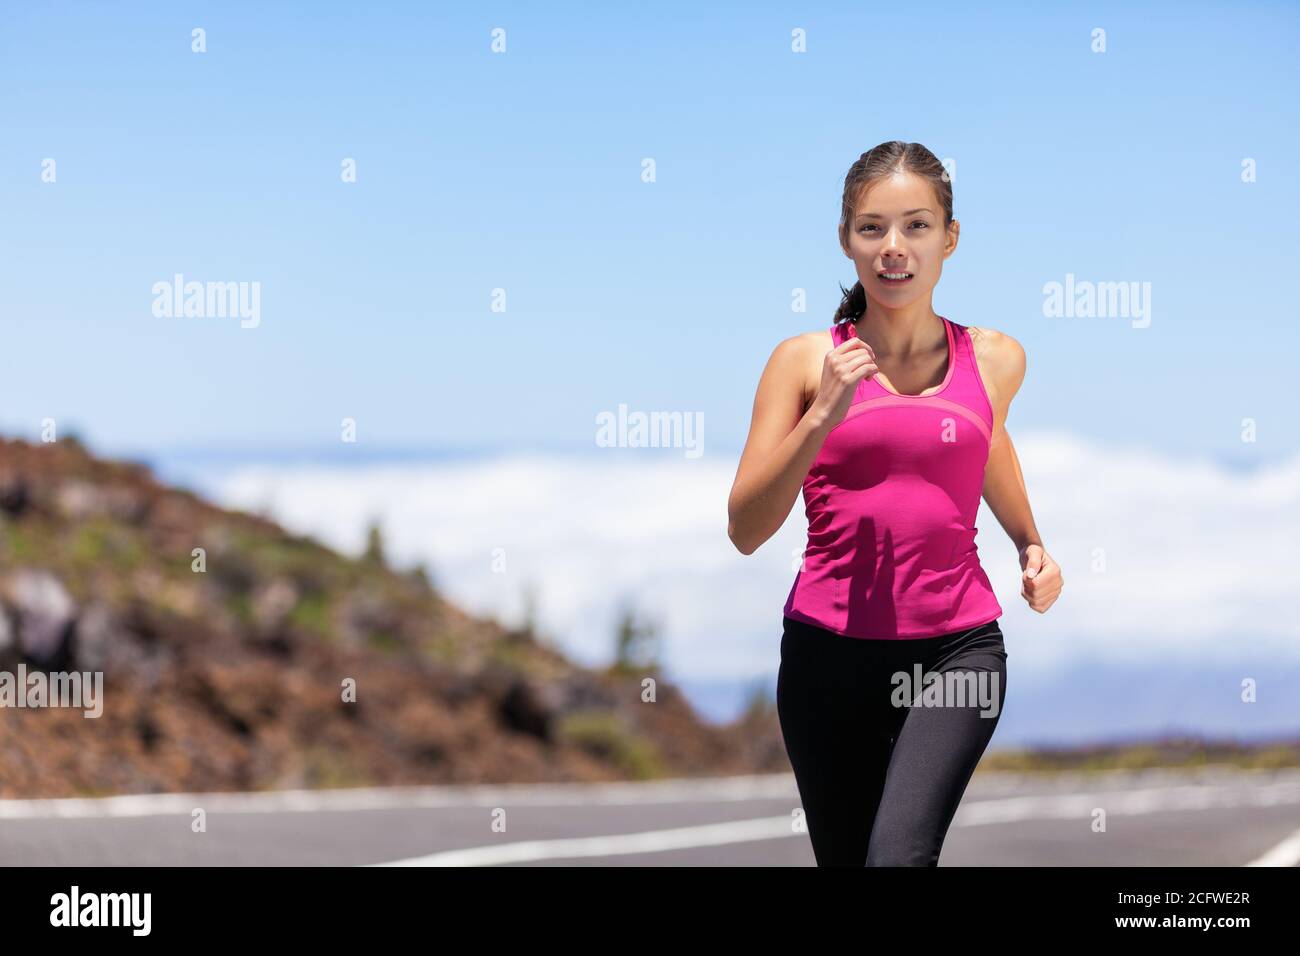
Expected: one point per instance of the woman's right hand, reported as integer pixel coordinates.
(844, 366)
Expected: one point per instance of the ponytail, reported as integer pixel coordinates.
(853, 305)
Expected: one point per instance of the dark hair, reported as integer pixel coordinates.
(871, 166)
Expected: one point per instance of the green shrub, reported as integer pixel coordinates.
(601, 734)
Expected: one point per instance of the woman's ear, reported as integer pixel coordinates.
(954, 230)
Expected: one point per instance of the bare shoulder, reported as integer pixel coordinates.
(816, 343)
(1001, 360)
(799, 358)
(800, 349)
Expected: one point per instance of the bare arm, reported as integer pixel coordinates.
(784, 439)
(1004, 483)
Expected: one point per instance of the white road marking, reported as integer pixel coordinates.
(1286, 853)
(650, 841)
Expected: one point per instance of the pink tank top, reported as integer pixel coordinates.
(891, 501)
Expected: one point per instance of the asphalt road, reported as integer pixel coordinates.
(1155, 818)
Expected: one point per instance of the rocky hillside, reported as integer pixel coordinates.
(230, 667)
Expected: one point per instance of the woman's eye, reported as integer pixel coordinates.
(918, 222)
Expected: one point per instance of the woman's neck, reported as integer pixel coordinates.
(902, 333)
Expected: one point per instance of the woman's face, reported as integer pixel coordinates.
(898, 228)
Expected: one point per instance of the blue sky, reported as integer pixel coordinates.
(522, 170)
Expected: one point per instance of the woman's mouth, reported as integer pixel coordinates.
(894, 278)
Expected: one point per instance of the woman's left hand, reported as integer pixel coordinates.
(1040, 578)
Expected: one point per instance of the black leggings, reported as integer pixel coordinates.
(880, 781)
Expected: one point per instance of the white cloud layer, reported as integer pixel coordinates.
(1165, 559)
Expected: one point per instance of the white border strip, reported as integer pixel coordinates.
(623, 793)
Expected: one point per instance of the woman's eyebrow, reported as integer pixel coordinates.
(876, 215)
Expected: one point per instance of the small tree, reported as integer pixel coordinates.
(375, 544)
(637, 645)
(760, 701)
(528, 629)
(421, 576)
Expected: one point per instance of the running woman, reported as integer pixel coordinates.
(893, 423)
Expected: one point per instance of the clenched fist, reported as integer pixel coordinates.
(1040, 578)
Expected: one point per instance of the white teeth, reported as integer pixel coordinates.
(895, 275)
